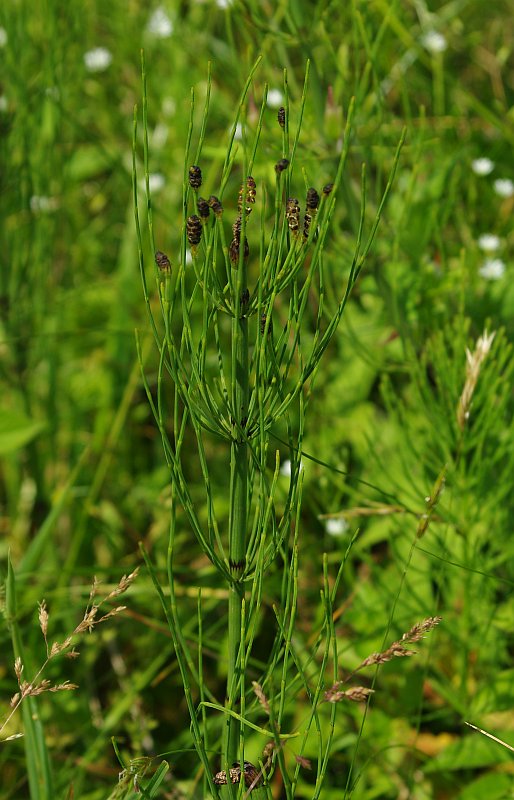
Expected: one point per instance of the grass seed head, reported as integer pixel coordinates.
(261, 697)
(18, 668)
(124, 583)
(43, 618)
(398, 649)
(357, 694)
(281, 116)
(474, 361)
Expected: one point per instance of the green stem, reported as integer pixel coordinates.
(238, 505)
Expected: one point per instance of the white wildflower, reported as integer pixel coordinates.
(52, 92)
(3, 37)
(224, 3)
(492, 269)
(156, 181)
(482, 166)
(488, 242)
(434, 42)
(169, 106)
(286, 467)
(275, 98)
(504, 187)
(160, 135)
(336, 526)
(238, 135)
(98, 59)
(41, 204)
(159, 24)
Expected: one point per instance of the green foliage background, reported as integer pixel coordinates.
(83, 478)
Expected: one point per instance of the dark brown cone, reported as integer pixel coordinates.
(194, 230)
(195, 176)
(162, 261)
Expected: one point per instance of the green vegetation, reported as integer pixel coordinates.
(375, 487)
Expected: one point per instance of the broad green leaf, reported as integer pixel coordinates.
(16, 430)
(470, 752)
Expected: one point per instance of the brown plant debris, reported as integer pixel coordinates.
(303, 762)
(252, 776)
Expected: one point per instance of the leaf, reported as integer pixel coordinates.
(494, 786)
(152, 787)
(470, 752)
(16, 430)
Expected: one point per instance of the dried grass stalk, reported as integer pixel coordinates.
(474, 361)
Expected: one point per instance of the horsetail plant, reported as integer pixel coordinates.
(234, 367)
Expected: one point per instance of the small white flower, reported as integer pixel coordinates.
(42, 204)
(160, 135)
(3, 103)
(52, 92)
(238, 135)
(482, 166)
(285, 468)
(159, 24)
(504, 187)
(434, 42)
(98, 59)
(224, 3)
(275, 98)
(488, 242)
(168, 106)
(3, 37)
(492, 269)
(156, 181)
(336, 526)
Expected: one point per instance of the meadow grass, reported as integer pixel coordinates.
(383, 542)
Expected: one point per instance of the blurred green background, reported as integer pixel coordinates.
(83, 477)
